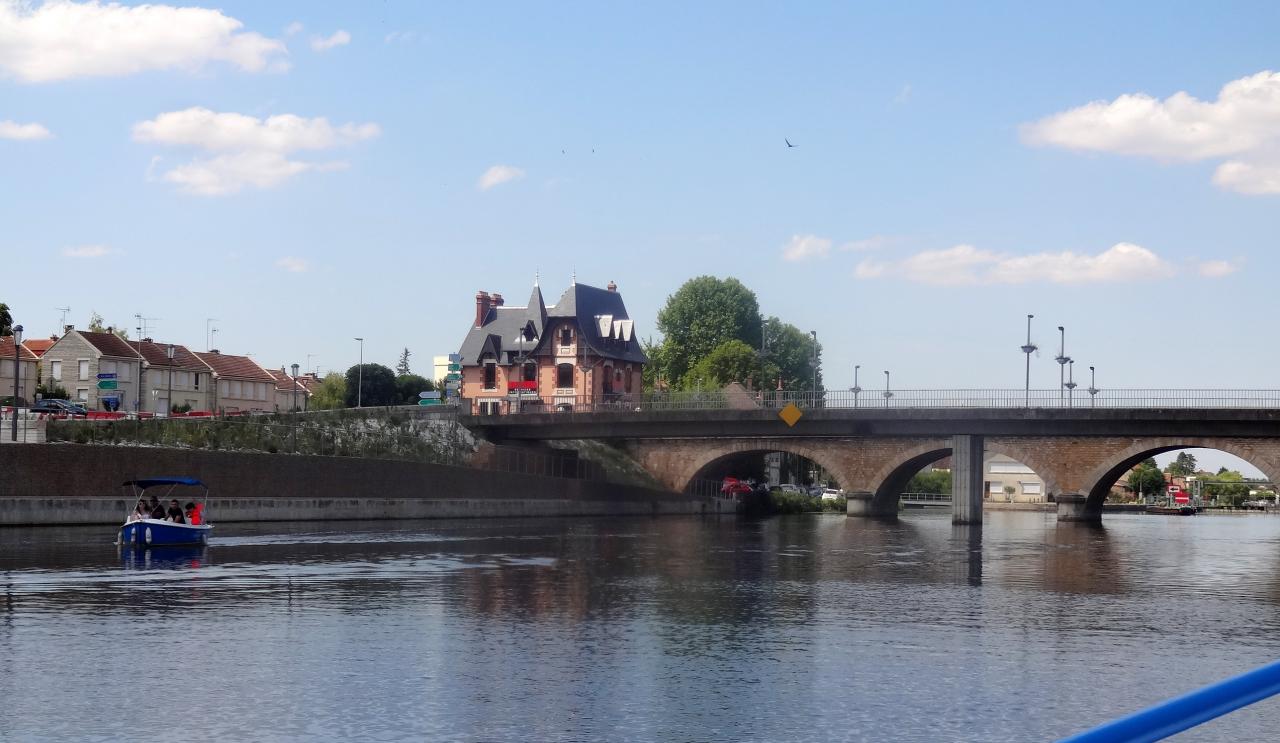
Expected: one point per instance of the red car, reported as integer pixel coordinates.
(733, 486)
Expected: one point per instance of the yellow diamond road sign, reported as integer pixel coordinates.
(790, 414)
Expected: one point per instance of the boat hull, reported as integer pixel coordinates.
(156, 533)
(1172, 510)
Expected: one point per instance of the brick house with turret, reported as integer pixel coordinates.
(581, 350)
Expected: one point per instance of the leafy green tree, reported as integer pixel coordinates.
(931, 481)
(6, 320)
(402, 366)
(1227, 487)
(377, 386)
(1147, 479)
(790, 354)
(1183, 465)
(409, 385)
(702, 314)
(731, 361)
(96, 326)
(330, 394)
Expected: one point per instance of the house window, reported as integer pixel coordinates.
(84, 369)
(564, 376)
(55, 371)
(608, 380)
(530, 372)
(491, 376)
(197, 376)
(995, 487)
(1031, 488)
(630, 375)
(122, 370)
(490, 407)
(566, 336)
(82, 394)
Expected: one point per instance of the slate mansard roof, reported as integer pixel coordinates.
(600, 315)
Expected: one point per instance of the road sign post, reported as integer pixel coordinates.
(106, 384)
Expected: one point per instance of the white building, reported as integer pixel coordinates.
(1011, 481)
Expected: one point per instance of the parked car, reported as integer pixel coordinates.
(7, 401)
(789, 488)
(62, 407)
(832, 494)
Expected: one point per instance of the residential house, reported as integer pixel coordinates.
(290, 392)
(183, 382)
(583, 349)
(239, 384)
(40, 345)
(99, 370)
(1010, 480)
(23, 386)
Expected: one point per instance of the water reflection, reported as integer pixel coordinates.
(648, 629)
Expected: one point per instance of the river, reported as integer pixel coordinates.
(665, 629)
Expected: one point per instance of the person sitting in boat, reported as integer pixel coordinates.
(141, 511)
(175, 513)
(157, 509)
(193, 514)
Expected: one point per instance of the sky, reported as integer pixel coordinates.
(308, 173)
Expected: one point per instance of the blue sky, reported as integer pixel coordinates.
(932, 201)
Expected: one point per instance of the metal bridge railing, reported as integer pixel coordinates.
(881, 400)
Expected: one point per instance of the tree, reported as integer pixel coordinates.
(1183, 465)
(402, 366)
(409, 385)
(1147, 479)
(702, 314)
(376, 385)
(790, 354)
(6, 320)
(933, 481)
(1227, 487)
(731, 361)
(96, 326)
(330, 394)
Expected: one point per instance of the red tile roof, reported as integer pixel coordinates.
(39, 345)
(109, 344)
(284, 383)
(236, 367)
(155, 354)
(6, 350)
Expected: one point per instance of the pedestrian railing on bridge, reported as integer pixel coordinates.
(902, 399)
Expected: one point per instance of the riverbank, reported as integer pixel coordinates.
(80, 484)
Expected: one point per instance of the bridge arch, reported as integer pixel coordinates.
(893, 476)
(1265, 455)
(824, 456)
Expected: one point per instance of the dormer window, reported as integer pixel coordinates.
(566, 336)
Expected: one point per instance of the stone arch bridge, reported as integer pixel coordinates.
(1079, 453)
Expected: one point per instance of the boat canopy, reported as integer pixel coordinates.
(153, 481)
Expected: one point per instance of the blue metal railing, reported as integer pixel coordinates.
(1180, 713)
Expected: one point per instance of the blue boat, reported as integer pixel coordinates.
(143, 531)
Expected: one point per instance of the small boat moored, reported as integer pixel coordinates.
(1174, 510)
(144, 531)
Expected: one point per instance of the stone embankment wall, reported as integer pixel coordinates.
(80, 484)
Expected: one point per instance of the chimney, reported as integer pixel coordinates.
(111, 328)
(215, 351)
(482, 307)
(612, 286)
(147, 340)
(497, 300)
(68, 328)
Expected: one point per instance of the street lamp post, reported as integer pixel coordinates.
(168, 401)
(360, 377)
(294, 413)
(17, 366)
(814, 335)
(1062, 360)
(887, 393)
(856, 389)
(1071, 382)
(1093, 389)
(1028, 349)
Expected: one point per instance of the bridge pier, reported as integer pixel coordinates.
(1074, 507)
(863, 504)
(966, 479)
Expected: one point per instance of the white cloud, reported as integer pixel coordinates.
(804, 247)
(293, 264)
(325, 43)
(14, 130)
(87, 251)
(498, 174)
(1242, 124)
(250, 151)
(293, 29)
(59, 40)
(1217, 269)
(965, 264)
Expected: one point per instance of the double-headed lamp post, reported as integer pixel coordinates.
(1062, 360)
(887, 393)
(360, 377)
(295, 387)
(1093, 389)
(17, 372)
(168, 401)
(855, 389)
(1071, 382)
(814, 335)
(1028, 349)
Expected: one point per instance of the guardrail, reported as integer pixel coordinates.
(1187, 711)
(891, 399)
